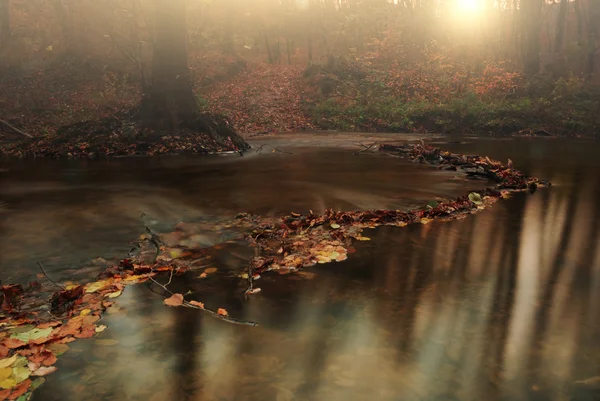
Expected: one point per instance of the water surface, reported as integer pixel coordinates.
(503, 305)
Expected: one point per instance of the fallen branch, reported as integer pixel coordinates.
(188, 304)
(15, 129)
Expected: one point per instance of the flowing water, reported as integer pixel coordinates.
(502, 305)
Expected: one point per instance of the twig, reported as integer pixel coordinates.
(210, 312)
(49, 279)
(275, 149)
(366, 148)
(18, 131)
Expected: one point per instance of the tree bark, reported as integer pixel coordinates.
(169, 97)
(4, 23)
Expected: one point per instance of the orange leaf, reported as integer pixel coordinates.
(4, 394)
(174, 300)
(3, 351)
(198, 304)
(13, 343)
(51, 360)
(20, 390)
(222, 312)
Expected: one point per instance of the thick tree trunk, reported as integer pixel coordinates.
(169, 98)
(168, 103)
(4, 23)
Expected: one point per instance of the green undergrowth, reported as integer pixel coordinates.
(558, 110)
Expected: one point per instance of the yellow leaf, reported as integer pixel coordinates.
(85, 312)
(101, 328)
(114, 294)
(5, 373)
(425, 220)
(4, 363)
(71, 286)
(175, 253)
(361, 238)
(7, 384)
(98, 285)
(210, 270)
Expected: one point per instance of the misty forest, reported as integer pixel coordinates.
(300, 200)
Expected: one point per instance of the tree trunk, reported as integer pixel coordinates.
(168, 103)
(169, 97)
(531, 24)
(4, 23)
(560, 26)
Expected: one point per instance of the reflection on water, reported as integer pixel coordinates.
(503, 305)
(64, 213)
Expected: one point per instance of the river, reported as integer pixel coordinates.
(502, 305)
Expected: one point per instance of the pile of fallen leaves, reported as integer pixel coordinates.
(35, 329)
(296, 241)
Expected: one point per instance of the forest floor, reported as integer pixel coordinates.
(259, 98)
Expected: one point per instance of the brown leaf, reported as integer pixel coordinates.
(222, 312)
(3, 351)
(174, 300)
(4, 394)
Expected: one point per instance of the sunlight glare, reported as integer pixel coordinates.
(467, 6)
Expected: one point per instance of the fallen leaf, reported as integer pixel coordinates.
(5, 373)
(13, 343)
(20, 373)
(51, 360)
(253, 291)
(222, 312)
(98, 285)
(174, 300)
(101, 328)
(198, 304)
(4, 394)
(7, 384)
(203, 275)
(33, 334)
(335, 225)
(114, 294)
(85, 312)
(210, 270)
(19, 390)
(475, 198)
(58, 349)
(361, 238)
(107, 342)
(4, 363)
(425, 220)
(44, 370)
